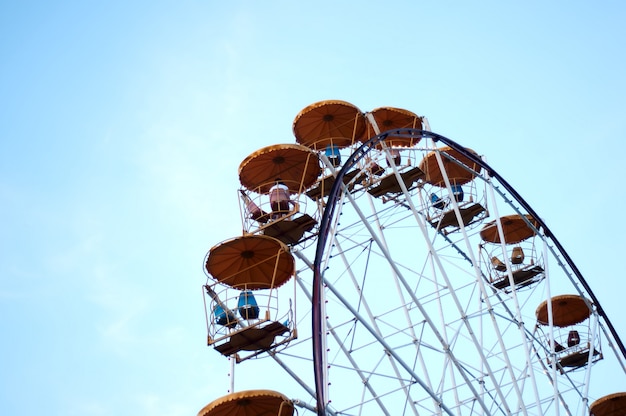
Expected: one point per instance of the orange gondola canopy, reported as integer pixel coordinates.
(252, 262)
(567, 310)
(250, 403)
(296, 166)
(611, 405)
(515, 228)
(385, 119)
(459, 168)
(330, 122)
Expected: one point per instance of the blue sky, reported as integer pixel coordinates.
(122, 125)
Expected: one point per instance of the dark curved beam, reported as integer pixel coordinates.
(317, 318)
(328, 215)
(546, 230)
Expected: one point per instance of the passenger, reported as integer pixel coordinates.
(333, 155)
(253, 210)
(457, 191)
(374, 168)
(280, 198)
(395, 155)
(247, 305)
(224, 318)
(437, 202)
(573, 338)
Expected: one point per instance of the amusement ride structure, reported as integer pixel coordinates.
(387, 270)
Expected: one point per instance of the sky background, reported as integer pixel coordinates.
(123, 123)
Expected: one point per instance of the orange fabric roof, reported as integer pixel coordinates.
(250, 403)
(253, 261)
(297, 166)
(567, 310)
(456, 174)
(329, 122)
(390, 118)
(514, 227)
(611, 405)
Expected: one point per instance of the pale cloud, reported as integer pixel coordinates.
(86, 407)
(153, 404)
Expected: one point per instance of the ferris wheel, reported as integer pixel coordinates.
(387, 270)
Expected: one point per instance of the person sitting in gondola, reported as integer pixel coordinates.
(224, 317)
(247, 305)
(333, 155)
(253, 210)
(280, 199)
(373, 167)
(573, 338)
(457, 191)
(437, 202)
(395, 156)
